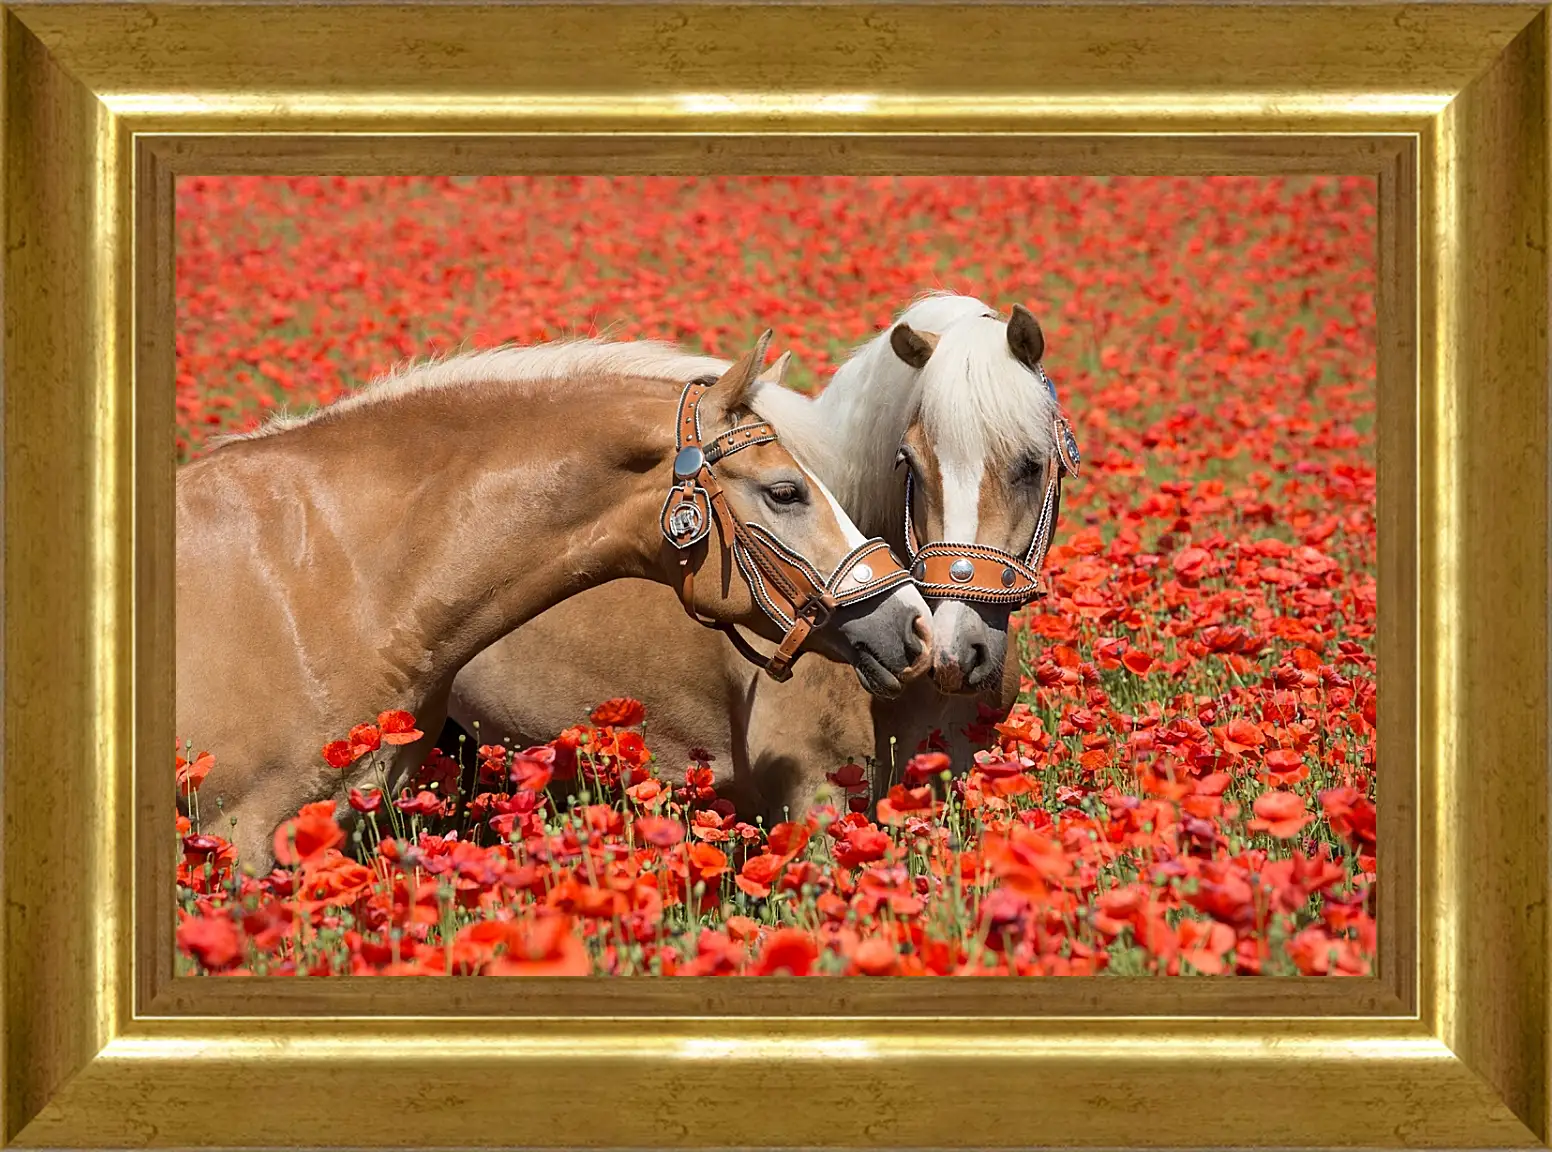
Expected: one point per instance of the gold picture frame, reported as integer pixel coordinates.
(1447, 1045)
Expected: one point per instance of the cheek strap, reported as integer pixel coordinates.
(788, 588)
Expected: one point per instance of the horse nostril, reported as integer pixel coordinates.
(976, 661)
(918, 647)
(921, 641)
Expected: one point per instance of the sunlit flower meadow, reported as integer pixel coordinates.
(1187, 784)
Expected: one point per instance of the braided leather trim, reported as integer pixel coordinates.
(755, 578)
(770, 540)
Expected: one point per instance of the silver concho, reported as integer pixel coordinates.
(862, 573)
(1008, 577)
(685, 520)
(689, 462)
(961, 570)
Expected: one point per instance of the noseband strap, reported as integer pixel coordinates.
(980, 573)
(786, 586)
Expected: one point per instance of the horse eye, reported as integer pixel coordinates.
(1028, 471)
(784, 493)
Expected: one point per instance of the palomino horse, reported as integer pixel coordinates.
(353, 561)
(953, 394)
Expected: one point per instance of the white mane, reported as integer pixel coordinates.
(973, 396)
(538, 363)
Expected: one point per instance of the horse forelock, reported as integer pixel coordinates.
(979, 401)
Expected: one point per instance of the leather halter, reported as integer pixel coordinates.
(788, 588)
(980, 573)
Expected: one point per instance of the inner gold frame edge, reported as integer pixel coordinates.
(1386, 157)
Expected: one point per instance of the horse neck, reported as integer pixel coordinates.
(863, 413)
(511, 504)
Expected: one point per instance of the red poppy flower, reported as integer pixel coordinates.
(395, 728)
(742, 928)
(621, 712)
(787, 840)
(1280, 814)
(786, 952)
(998, 769)
(366, 801)
(1204, 945)
(309, 834)
(420, 804)
(1191, 563)
(659, 831)
(759, 873)
(202, 847)
(530, 773)
(902, 803)
(1350, 814)
(861, 846)
(631, 749)
(364, 738)
(707, 825)
(1137, 663)
(1241, 735)
(876, 957)
(1095, 760)
(706, 863)
(191, 774)
(540, 946)
(649, 793)
(212, 940)
(928, 766)
(333, 881)
(849, 778)
(1285, 766)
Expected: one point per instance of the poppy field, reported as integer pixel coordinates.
(1187, 784)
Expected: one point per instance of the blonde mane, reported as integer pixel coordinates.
(536, 364)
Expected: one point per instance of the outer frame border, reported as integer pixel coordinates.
(1446, 105)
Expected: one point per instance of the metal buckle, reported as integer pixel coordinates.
(685, 522)
(816, 612)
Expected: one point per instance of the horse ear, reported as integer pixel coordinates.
(777, 372)
(732, 387)
(1025, 339)
(913, 347)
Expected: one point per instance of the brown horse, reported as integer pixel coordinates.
(952, 394)
(355, 560)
